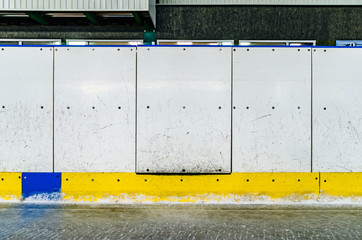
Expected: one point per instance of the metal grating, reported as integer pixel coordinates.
(15, 6)
(75, 5)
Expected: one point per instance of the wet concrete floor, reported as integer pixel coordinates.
(65, 221)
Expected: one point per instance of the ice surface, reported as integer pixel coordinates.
(164, 221)
(235, 217)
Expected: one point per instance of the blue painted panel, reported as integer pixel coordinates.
(41, 183)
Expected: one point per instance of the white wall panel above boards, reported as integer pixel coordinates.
(95, 109)
(337, 109)
(26, 109)
(272, 109)
(183, 109)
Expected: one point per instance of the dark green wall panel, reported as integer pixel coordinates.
(259, 22)
(221, 22)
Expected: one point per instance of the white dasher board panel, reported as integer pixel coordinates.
(26, 109)
(272, 115)
(95, 109)
(337, 109)
(184, 109)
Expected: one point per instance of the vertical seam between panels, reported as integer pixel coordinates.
(231, 108)
(53, 144)
(311, 110)
(136, 97)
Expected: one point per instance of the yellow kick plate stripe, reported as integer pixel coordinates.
(10, 185)
(93, 186)
(341, 184)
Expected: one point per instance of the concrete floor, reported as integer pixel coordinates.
(65, 221)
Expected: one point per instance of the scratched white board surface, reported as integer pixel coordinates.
(271, 109)
(26, 109)
(337, 109)
(94, 109)
(183, 109)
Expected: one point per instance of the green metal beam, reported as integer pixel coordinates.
(93, 18)
(38, 17)
(149, 35)
(138, 18)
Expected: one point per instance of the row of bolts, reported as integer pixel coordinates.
(184, 107)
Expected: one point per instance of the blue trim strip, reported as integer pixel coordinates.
(51, 46)
(271, 46)
(23, 46)
(141, 46)
(96, 46)
(336, 47)
(227, 46)
(278, 46)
